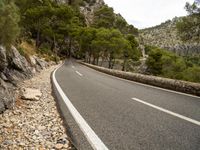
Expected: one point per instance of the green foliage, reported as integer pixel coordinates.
(86, 37)
(189, 27)
(192, 60)
(120, 23)
(134, 53)
(132, 30)
(167, 64)
(154, 62)
(104, 17)
(192, 74)
(9, 19)
(148, 48)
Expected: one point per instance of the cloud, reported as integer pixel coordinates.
(147, 13)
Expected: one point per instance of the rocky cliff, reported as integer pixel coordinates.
(15, 68)
(166, 36)
(88, 7)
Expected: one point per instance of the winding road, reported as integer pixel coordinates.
(124, 115)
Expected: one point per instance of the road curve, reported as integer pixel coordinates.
(129, 116)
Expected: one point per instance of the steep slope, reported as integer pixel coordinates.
(166, 36)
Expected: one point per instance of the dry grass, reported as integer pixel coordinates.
(28, 48)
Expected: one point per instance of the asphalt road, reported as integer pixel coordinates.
(109, 105)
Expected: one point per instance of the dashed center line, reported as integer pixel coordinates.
(79, 73)
(168, 112)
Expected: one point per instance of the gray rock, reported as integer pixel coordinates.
(2, 106)
(2, 76)
(33, 61)
(31, 94)
(3, 60)
(6, 96)
(41, 63)
(19, 62)
(166, 36)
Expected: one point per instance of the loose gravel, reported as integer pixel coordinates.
(34, 125)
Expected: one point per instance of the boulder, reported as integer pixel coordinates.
(31, 94)
(41, 63)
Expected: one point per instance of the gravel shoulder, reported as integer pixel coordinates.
(34, 124)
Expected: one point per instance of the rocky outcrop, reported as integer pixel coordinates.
(166, 36)
(14, 68)
(176, 85)
(88, 8)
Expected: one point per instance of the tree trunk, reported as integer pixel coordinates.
(54, 49)
(70, 47)
(38, 39)
(110, 62)
(90, 55)
(113, 63)
(97, 61)
(102, 61)
(94, 59)
(124, 64)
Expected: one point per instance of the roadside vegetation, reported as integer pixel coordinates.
(167, 64)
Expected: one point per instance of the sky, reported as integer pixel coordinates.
(148, 13)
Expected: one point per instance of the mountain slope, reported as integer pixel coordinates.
(166, 36)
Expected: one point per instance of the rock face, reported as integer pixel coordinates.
(166, 36)
(14, 68)
(88, 8)
(3, 60)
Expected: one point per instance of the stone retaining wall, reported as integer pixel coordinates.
(176, 85)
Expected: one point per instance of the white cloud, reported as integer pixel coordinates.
(147, 13)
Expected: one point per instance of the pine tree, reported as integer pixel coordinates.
(9, 19)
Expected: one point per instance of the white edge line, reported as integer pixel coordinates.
(168, 112)
(155, 87)
(79, 73)
(91, 136)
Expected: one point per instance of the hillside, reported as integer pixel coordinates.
(166, 36)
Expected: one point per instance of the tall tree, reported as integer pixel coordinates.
(189, 27)
(130, 50)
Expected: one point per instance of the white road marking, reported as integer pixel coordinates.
(79, 73)
(73, 67)
(91, 136)
(168, 112)
(151, 86)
